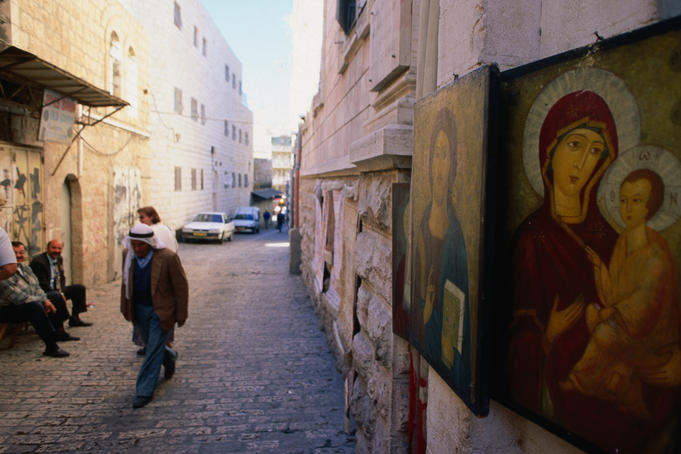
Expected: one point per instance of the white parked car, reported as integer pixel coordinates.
(247, 218)
(209, 226)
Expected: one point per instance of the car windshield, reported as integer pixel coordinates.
(207, 217)
(248, 217)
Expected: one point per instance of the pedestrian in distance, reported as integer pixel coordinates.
(280, 221)
(154, 295)
(266, 216)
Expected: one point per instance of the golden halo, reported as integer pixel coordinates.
(651, 157)
(611, 88)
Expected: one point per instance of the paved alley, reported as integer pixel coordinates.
(254, 373)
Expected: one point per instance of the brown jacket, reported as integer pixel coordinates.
(169, 290)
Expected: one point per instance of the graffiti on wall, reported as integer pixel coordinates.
(126, 200)
(21, 196)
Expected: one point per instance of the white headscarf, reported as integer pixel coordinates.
(138, 232)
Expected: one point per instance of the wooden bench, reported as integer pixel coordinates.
(12, 331)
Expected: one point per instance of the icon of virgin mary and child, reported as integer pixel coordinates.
(594, 342)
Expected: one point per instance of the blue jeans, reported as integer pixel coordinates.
(154, 338)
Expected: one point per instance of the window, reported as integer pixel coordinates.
(115, 57)
(233, 81)
(239, 135)
(202, 179)
(131, 85)
(205, 47)
(240, 92)
(178, 16)
(193, 179)
(227, 73)
(345, 14)
(239, 180)
(178, 101)
(196, 36)
(246, 179)
(226, 131)
(225, 180)
(246, 138)
(203, 114)
(195, 109)
(233, 132)
(178, 178)
(233, 180)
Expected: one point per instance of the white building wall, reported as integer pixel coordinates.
(177, 140)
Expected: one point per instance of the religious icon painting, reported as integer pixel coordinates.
(587, 318)
(401, 284)
(446, 317)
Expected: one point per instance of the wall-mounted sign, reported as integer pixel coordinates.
(57, 118)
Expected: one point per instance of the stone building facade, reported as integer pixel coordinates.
(378, 58)
(201, 129)
(281, 162)
(85, 190)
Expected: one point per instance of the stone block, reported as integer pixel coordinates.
(378, 388)
(362, 354)
(373, 262)
(294, 239)
(375, 200)
(379, 329)
(362, 408)
(363, 300)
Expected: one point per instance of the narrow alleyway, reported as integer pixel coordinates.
(254, 372)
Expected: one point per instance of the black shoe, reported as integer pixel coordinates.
(56, 353)
(142, 351)
(78, 322)
(65, 337)
(168, 369)
(141, 401)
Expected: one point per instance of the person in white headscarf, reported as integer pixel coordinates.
(154, 295)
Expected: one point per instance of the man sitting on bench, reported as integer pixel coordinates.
(22, 300)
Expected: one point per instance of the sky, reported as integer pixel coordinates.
(261, 33)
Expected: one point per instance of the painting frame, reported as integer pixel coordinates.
(447, 313)
(540, 105)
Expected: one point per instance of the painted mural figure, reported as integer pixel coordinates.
(440, 327)
(635, 324)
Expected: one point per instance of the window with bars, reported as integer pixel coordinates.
(202, 179)
(178, 101)
(178, 16)
(195, 109)
(193, 179)
(178, 178)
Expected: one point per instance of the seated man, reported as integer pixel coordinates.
(22, 300)
(49, 269)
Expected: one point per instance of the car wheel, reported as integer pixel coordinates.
(229, 238)
(222, 238)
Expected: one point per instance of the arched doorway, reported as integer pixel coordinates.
(72, 229)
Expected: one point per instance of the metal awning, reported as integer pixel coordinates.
(267, 193)
(26, 67)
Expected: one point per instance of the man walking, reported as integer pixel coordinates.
(49, 268)
(154, 295)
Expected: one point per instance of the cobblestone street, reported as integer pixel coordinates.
(254, 372)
